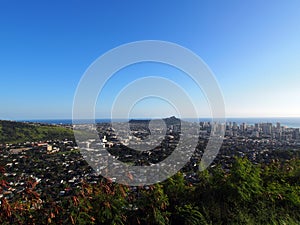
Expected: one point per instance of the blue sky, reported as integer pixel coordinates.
(253, 48)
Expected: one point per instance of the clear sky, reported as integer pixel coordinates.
(253, 48)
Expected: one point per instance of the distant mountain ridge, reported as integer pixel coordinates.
(170, 120)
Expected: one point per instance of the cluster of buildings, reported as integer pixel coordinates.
(59, 166)
(260, 142)
(56, 165)
(257, 130)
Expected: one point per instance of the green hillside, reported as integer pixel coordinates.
(16, 132)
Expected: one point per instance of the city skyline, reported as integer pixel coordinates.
(252, 48)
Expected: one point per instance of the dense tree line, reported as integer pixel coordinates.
(246, 194)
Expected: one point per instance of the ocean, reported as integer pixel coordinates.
(293, 122)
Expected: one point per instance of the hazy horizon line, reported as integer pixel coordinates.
(204, 117)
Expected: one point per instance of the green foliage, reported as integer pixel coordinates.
(98, 204)
(188, 215)
(246, 194)
(250, 194)
(151, 206)
(17, 132)
(244, 181)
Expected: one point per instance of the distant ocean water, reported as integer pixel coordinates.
(293, 122)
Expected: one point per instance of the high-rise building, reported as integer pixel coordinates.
(267, 128)
(234, 126)
(278, 126)
(296, 134)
